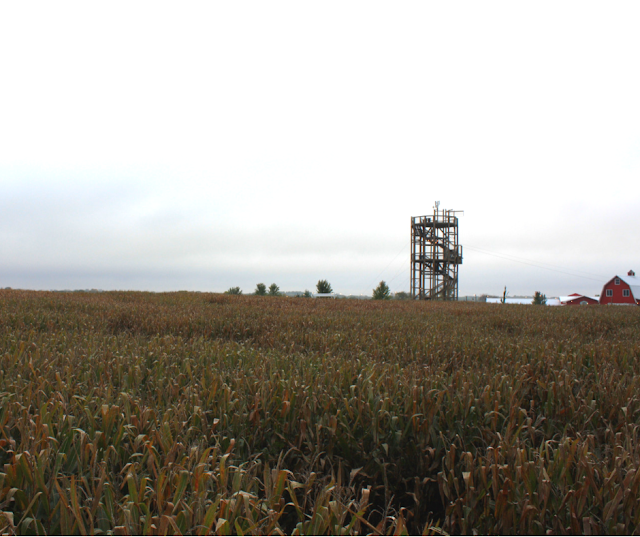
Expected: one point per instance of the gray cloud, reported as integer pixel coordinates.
(214, 147)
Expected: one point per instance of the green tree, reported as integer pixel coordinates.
(274, 290)
(261, 289)
(539, 299)
(233, 291)
(382, 292)
(402, 295)
(323, 286)
(307, 293)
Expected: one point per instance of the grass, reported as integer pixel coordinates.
(201, 413)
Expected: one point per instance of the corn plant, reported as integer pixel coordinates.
(141, 413)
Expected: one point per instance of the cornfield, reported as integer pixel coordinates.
(193, 413)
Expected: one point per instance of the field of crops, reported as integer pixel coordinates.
(213, 414)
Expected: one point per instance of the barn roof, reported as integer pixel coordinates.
(575, 296)
(510, 300)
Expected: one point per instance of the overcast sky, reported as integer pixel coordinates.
(204, 145)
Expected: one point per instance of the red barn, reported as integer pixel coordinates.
(576, 299)
(621, 290)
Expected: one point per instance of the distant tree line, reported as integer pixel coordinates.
(382, 292)
(323, 286)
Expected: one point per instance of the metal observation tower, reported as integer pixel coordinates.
(435, 255)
